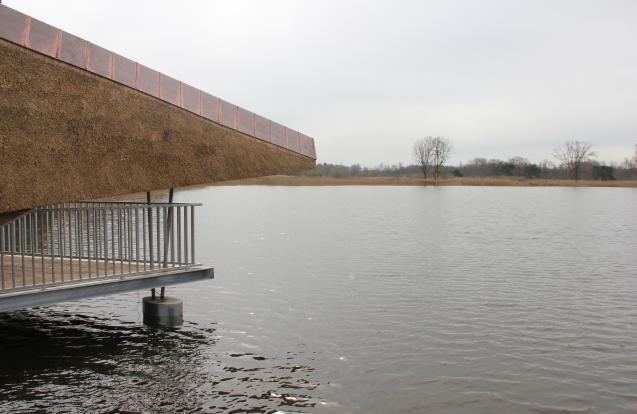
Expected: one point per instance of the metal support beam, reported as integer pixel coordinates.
(75, 291)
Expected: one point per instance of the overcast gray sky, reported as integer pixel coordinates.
(366, 78)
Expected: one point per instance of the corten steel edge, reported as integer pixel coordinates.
(78, 122)
(81, 122)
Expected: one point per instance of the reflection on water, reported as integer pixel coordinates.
(91, 363)
(357, 300)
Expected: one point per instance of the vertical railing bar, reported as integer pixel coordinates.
(88, 240)
(172, 236)
(165, 227)
(42, 250)
(36, 229)
(50, 240)
(126, 236)
(61, 244)
(150, 236)
(113, 238)
(80, 238)
(137, 238)
(70, 242)
(31, 245)
(100, 254)
(179, 235)
(96, 240)
(144, 214)
(105, 232)
(11, 249)
(158, 214)
(186, 255)
(22, 233)
(2, 256)
(113, 251)
(130, 238)
(120, 240)
(192, 234)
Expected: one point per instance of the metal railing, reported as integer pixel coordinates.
(68, 243)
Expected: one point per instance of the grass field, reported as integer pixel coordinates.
(477, 181)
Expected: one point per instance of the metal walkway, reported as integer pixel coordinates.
(86, 249)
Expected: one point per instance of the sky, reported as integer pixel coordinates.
(365, 79)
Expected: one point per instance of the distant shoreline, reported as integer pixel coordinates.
(284, 180)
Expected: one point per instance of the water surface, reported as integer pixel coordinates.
(362, 300)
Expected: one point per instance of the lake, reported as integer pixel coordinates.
(362, 300)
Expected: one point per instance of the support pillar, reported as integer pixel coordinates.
(162, 310)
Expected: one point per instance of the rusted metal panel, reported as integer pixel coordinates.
(306, 145)
(12, 25)
(124, 71)
(228, 114)
(99, 60)
(169, 89)
(43, 38)
(278, 134)
(293, 140)
(191, 98)
(210, 106)
(72, 50)
(261, 128)
(147, 80)
(246, 121)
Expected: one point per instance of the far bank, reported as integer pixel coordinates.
(468, 181)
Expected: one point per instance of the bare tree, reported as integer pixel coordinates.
(440, 154)
(519, 165)
(423, 149)
(572, 154)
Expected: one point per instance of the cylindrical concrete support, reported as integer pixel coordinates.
(165, 311)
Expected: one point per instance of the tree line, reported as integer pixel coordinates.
(573, 159)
